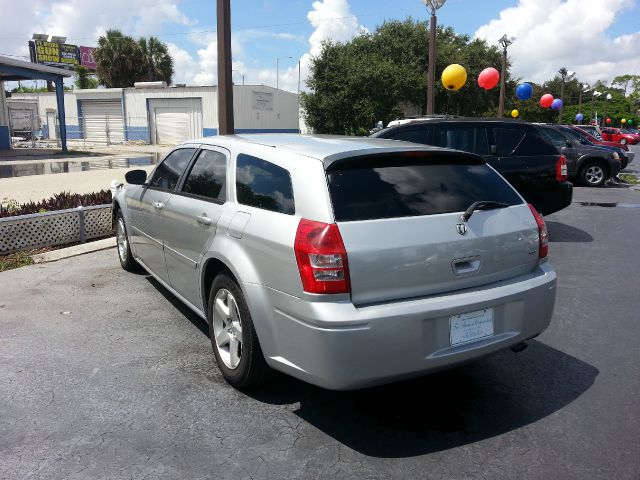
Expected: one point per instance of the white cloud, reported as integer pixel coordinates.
(82, 21)
(565, 33)
(331, 20)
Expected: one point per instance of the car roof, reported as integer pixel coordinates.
(326, 148)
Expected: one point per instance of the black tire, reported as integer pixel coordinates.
(123, 247)
(593, 174)
(623, 141)
(252, 369)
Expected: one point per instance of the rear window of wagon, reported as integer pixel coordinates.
(393, 186)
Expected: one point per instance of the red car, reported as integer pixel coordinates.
(593, 139)
(615, 135)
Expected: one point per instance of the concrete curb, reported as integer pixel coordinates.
(74, 251)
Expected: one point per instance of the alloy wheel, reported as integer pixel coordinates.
(121, 239)
(594, 174)
(227, 328)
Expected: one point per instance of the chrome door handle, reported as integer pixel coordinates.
(158, 205)
(203, 220)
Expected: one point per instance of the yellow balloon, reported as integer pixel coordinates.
(454, 77)
(624, 120)
(515, 113)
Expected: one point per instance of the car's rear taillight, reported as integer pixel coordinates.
(543, 237)
(561, 169)
(322, 258)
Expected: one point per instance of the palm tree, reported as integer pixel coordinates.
(119, 60)
(84, 79)
(157, 64)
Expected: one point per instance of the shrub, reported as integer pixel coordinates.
(60, 201)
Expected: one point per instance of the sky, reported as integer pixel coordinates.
(597, 39)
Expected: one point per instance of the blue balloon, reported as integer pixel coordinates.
(557, 104)
(579, 117)
(524, 91)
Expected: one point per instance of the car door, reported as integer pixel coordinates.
(565, 145)
(147, 210)
(191, 216)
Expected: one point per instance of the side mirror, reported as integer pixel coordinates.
(135, 177)
(569, 143)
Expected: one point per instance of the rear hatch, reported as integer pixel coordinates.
(400, 219)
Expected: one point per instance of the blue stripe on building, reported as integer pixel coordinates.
(5, 138)
(266, 130)
(138, 133)
(209, 132)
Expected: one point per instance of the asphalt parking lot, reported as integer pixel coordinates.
(103, 374)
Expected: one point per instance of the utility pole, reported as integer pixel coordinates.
(505, 42)
(225, 83)
(278, 70)
(299, 131)
(432, 6)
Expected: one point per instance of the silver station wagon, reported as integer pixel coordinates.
(345, 262)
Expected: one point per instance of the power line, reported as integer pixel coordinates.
(256, 27)
(16, 56)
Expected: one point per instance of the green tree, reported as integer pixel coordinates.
(157, 63)
(84, 79)
(356, 83)
(118, 60)
(624, 81)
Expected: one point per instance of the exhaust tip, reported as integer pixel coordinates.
(519, 347)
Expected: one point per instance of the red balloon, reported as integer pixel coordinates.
(546, 100)
(488, 78)
(608, 121)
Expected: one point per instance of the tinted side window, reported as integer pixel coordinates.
(167, 173)
(394, 186)
(555, 137)
(507, 140)
(416, 135)
(466, 138)
(263, 185)
(534, 144)
(207, 177)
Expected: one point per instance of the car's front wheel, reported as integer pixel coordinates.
(124, 249)
(233, 336)
(623, 141)
(593, 174)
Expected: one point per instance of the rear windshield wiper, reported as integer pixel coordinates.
(482, 205)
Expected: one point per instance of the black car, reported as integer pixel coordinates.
(515, 149)
(591, 165)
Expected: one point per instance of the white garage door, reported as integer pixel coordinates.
(173, 125)
(102, 121)
(175, 120)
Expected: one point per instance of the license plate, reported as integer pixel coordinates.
(472, 326)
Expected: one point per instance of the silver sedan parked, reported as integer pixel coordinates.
(345, 262)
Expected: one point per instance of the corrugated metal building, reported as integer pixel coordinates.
(165, 115)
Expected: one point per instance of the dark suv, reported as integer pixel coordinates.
(515, 149)
(591, 165)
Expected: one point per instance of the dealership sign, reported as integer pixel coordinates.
(61, 55)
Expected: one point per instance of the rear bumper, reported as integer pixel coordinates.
(338, 346)
(550, 197)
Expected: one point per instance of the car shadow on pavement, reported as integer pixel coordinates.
(561, 232)
(497, 395)
(189, 314)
